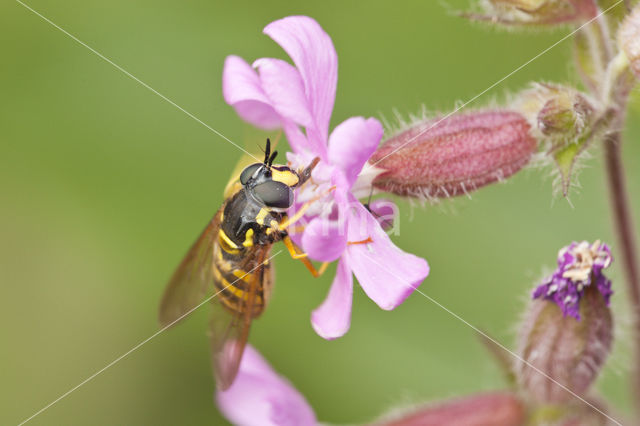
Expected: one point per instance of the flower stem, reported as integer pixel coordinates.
(626, 237)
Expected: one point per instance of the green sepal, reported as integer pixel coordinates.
(565, 159)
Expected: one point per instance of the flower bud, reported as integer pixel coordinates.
(536, 12)
(629, 39)
(564, 119)
(566, 115)
(453, 155)
(496, 409)
(558, 112)
(567, 330)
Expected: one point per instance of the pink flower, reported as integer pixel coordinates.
(260, 397)
(277, 94)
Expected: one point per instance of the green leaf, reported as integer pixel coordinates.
(565, 159)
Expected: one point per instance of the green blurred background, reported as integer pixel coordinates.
(104, 186)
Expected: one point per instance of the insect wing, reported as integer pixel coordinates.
(229, 327)
(193, 280)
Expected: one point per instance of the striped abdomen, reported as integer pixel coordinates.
(242, 275)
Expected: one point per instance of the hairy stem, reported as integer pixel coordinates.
(626, 237)
(605, 37)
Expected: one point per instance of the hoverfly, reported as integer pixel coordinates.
(231, 259)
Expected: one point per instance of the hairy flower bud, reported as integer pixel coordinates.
(629, 39)
(536, 12)
(567, 114)
(567, 331)
(558, 112)
(564, 118)
(454, 155)
(496, 409)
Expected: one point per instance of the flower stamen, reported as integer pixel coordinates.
(354, 243)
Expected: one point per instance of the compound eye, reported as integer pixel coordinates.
(274, 194)
(248, 172)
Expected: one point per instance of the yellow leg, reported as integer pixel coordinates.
(295, 229)
(298, 215)
(293, 251)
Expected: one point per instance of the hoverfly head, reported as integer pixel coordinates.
(271, 185)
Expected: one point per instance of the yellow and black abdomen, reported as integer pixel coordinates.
(243, 278)
(241, 269)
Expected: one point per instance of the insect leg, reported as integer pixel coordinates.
(293, 251)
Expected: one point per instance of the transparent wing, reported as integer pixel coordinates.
(229, 328)
(193, 280)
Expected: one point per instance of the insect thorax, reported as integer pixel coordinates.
(246, 222)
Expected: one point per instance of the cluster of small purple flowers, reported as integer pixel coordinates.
(580, 265)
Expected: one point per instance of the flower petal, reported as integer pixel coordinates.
(351, 144)
(242, 90)
(313, 53)
(333, 318)
(324, 239)
(387, 274)
(385, 212)
(296, 138)
(260, 397)
(283, 85)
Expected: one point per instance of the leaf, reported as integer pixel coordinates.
(565, 159)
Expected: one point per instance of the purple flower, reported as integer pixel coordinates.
(579, 265)
(260, 397)
(338, 226)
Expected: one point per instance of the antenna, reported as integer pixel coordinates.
(267, 152)
(273, 157)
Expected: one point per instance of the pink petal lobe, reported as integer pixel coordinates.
(333, 318)
(283, 86)
(242, 90)
(324, 240)
(352, 143)
(296, 138)
(260, 397)
(313, 53)
(385, 211)
(387, 274)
